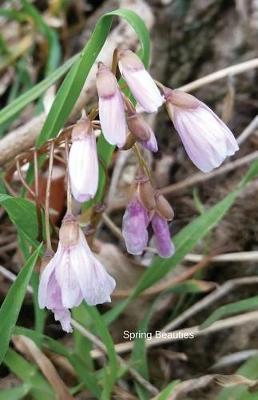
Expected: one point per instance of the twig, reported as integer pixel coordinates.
(240, 256)
(222, 73)
(234, 358)
(210, 299)
(248, 130)
(48, 189)
(18, 168)
(201, 177)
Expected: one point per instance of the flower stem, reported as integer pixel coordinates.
(48, 190)
(69, 196)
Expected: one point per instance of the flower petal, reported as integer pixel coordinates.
(67, 279)
(84, 168)
(143, 88)
(64, 316)
(95, 283)
(134, 227)
(162, 237)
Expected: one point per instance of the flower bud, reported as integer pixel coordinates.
(111, 107)
(146, 194)
(163, 207)
(138, 127)
(106, 81)
(81, 129)
(139, 81)
(69, 232)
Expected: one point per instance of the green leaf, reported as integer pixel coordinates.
(16, 393)
(166, 393)
(35, 92)
(110, 371)
(74, 81)
(250, 370)
(231, 309)
(83, 345)
(87, 377)
(11, 306)
(21, 211)
(28, 373)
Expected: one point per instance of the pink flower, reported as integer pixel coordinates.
(139, 81)
(207, 140)
(111, 107)
(147, 206)
(134, 227)
(83, 162)
(73, 274)
(162, 236)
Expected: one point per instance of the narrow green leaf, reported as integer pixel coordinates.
(250, 370)
(35, 92)
(74, 81)
(11, 306)
(231, 309)
(166, 393)
(110, 370)
(16, 393)
(87, 377)
(28, 373)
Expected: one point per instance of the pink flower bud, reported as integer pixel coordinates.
(73, 274)
(139, 81)
(162, 236)
(207, 140)
(134, 227)
(142, 132)
(83, 162)
(111, 107)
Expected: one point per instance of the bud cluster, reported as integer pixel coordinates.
(147, 208)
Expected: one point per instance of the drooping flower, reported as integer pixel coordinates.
(206, 139)
(111, 107)
(139, 81)
(145, 207)
(134, 227)
(163, 243)
(142, 131)
(83, 162)
(73, 274)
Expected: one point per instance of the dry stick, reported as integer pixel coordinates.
(26, 346)
(152, 389)
(38, 206)
(69, 195)
(47, 199)
(223, 73)
(95, 340)
(240, 256)
(248, 130)
(18, 168)
(210, 299)
(168, 283)
(201, 177)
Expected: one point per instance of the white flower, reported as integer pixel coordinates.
(139, 81)
(73, 274)
(207, 140)
(83, 162)
(111, 107)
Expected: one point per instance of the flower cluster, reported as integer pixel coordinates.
(147, 207)
(74, 273)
